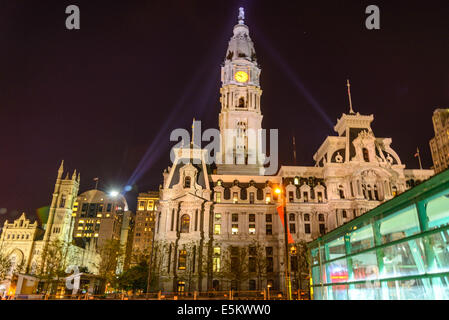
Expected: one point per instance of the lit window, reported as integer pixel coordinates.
(217, 229)
(235, 229)
(80, 228)
(150, 205)
(235, 197)
(252, 229)
(216, 264)
(107, 215)
(218, 197)
(217, 250)
(296, 182)
(141, 205)
(81, 222)
(217, 216)
(182, 259)
(99, 215)
(268, 198)
(78, 235)
(96, 235)
(185, 223)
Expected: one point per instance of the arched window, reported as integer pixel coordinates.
(242, 103)
(376, 193)
(341, 192)
(321, 217)
(185, 223)
(187, 181)
(62, 203)
(306, 217)
(365, 154)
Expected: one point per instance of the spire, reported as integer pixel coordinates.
(61, 169)
(351, 111)
(79, 177)
(67, 176)
(193, 132)
(74, 175)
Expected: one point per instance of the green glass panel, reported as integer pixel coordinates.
(337, 271)
(369, 290)
(362, 238)
(336, 248)
(404, 259)
(438, 211)
(398, 225)
(316, 275)
(439, 252)
(364, 266)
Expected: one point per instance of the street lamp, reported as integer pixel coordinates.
(288, 284)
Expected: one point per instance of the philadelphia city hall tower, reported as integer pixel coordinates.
(218, 226)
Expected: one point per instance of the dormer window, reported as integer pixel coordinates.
(187, 182)
(296, 181)
(365, 154)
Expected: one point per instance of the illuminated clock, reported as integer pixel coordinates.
(241, 76)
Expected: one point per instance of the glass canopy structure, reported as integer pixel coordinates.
(397, 251)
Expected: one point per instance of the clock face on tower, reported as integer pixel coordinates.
(241, 76)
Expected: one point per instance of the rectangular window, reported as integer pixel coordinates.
(268, 198)
(269, 264)
(305, 196)
(252, 251)
(235, 229)
(252, 229)
(252, 264)
(108, 209)
(218, 217)
(307, 228)
(269, 229)
(292, 228)
(320, 197)
(141, 205)
(322, 228)
(182, 261)
(268, 217)
(251, 197)
(235, 197)
(235, 217)
(216, 264)
(217, 229)
(218, 197)
(150, 205)
(252, 217)
(290, 196)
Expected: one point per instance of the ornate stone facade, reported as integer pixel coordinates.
(203, 213)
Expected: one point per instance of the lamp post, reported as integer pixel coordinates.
(288, 284)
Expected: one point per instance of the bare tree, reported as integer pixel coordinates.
(5, 265)
(300, 264)
(234, 265)
(110, 253)
(53, 263)
(260, 261)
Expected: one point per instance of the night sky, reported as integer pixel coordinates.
(105, 98)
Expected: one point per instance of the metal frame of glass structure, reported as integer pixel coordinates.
(397, 251)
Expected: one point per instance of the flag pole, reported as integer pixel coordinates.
(419, 158)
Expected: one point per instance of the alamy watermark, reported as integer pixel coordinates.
(240, 146)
